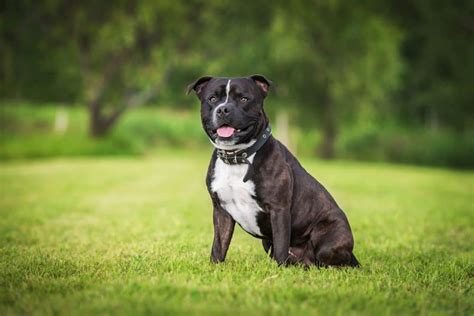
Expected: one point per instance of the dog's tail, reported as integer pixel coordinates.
(354, 262)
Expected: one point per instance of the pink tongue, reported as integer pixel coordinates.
(225, 131)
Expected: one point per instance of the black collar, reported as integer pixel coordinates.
(240, 156)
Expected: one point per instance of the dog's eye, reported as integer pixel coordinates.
(243, 99)
(212, 99)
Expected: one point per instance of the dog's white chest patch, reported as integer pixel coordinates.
(237, 196)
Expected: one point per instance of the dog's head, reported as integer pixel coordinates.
(232, 108)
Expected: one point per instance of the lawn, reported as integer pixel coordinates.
(133, 236)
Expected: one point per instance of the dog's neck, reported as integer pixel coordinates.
(237, 156)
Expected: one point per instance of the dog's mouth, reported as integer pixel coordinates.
(226, 131)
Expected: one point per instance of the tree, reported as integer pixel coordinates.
(121, 55)
(346, 58)
(438, 49)
(126, 54)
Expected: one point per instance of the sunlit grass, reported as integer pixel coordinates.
(133, 236)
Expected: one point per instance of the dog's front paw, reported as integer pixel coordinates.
(216, 259)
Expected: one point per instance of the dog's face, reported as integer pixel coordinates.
(232, 108)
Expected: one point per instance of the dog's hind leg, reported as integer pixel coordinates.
(333, 244)
(302, 254)
(336, 256)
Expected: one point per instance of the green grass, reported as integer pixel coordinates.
(133, 235)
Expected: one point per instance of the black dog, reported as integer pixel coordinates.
(255, 181)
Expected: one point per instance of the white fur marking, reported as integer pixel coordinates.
(227, 90)
(235, 195)
(230, 144)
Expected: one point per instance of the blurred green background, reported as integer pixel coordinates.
(367, 80)
(127, 229)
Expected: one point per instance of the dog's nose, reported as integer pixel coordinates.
(223, 111)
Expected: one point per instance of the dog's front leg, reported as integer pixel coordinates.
(281, 231)
(223, 231)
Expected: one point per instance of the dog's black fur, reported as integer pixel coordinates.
(300, 221)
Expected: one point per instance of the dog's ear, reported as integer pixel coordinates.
(198, 85)
(262, 82)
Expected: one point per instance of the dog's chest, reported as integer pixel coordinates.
(235, 196)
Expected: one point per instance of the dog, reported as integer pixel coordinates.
(255, 181)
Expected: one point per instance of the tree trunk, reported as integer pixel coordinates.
(99, 124)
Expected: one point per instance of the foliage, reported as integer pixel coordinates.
(438, 81)
(28, 131)
(348, 63)
(337, 66)
(415, 146)
(133, 236)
